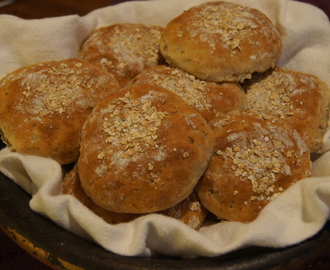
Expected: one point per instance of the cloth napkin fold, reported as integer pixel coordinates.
(298, 214)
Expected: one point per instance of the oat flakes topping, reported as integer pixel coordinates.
(278, 93)
(132, 124)
(227, 22)
(132, 46)
(258, 161)
(188, 87)
(54, 88)
(195, 206)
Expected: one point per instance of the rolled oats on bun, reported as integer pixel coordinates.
(300, 99)
(257, 157)
(221, 41)
(143, 150)
(124, 49)
(44, 106)
(208, 98)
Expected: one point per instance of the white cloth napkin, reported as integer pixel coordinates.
(296, 215)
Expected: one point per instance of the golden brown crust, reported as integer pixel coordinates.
(44, 106)
(190, 211)
(221, 41)
(257, 156)
(143, 150)
(207, 98)
(124, 49)
(298, 98)
(71, 185)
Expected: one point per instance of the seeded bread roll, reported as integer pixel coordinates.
(143, 150)
(190, 211)
(221, 41)
(44, 106)
(124, 49)
(208, 98)
(257, 156)
(298, 98)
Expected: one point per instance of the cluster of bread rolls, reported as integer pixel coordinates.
(182, 120)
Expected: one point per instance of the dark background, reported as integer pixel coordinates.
(34, 9)
(13, 257)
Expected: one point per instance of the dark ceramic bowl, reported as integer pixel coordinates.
(60, 249)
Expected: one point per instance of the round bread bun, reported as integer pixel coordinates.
(190, 211)
(44, 106)
(221, 41)
(208, 98)
(143, 150)
(124, 49)
(298, 98)
(256, 158)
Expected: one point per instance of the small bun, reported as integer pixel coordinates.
(257, 156)
(207, 98)
(124, 49)
(143, 150)
(44, 106)
(221, 41)
(298, 98)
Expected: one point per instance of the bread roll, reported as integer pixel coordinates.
(44, 106)
(300, 99)
(256, 158)
(221, 41)
(143, 150)
(123, 49)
